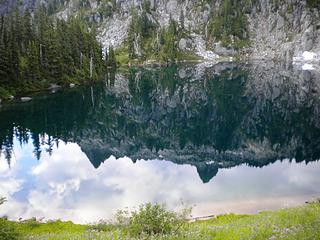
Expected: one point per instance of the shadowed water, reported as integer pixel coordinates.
(226, 137)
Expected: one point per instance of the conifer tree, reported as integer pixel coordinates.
(37, 50)
(111, 58)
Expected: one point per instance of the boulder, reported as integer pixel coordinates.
(307, 39)
(280, 22)
(182, 73)
(182, 44)
(54, 86)
(25, 99)
(223, 51)
(172, 6)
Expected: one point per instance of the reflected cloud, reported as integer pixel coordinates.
(218, 137)
(70, 188)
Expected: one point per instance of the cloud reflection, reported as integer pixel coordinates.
(66, 186)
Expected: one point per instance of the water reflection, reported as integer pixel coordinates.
(188, 120)
(75, 191)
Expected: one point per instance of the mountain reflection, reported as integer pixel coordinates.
(208, 117)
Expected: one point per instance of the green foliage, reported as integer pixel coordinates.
(229, 23)
(168, 39)
(106, 7)
(111, 58)
(8, 230)
(4, 93)
(140, 30)
(101, 226)
(313, 3)
(294, 224)
(39, 50)
(2, 200)
(156, 43)
(32, 226)
(151, 220)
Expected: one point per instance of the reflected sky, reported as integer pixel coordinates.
(66, 186)
(223, 138)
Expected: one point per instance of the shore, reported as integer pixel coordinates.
(291, 223)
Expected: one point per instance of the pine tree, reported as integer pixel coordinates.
(4, 59)
(39, 49)
(181, 19)
(111, 58)
(26, 29)
(33, 63)
(13, 58)
(53, 58)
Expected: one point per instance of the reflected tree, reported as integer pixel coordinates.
(216, 119)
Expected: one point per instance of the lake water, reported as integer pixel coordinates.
(222, 138)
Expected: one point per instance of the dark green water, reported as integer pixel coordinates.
(188, 124)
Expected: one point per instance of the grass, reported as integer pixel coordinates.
(4, 93)
(293, 223)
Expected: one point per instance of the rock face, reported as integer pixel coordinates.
(281, 32)
(284, 32)
(276, 31)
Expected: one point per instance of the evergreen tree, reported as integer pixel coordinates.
(33, 63)
(111, 58)
(13, 56)
(38, 50)
(181, 19)
(131, 40)
(4, 59)
(26, 29)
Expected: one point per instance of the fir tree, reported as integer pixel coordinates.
(111, 58)
(38, 50)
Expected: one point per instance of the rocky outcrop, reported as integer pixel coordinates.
(284, 31)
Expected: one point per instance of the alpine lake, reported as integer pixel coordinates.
(220, 138)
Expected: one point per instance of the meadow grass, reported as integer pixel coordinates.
(292, 223)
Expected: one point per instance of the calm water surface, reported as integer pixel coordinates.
(222, 138)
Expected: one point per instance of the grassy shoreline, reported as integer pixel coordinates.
(293, 223)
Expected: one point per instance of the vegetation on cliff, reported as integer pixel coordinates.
(229, 24)
(148, 41)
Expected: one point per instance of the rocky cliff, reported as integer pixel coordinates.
(276, 30)
(287, 30)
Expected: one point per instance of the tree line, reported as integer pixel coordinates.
(37, 50)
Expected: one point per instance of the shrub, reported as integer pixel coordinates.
(313, 3)
(2, 200)
(101, 226)
(152, 220)
(8, 230)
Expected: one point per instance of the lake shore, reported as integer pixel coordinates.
(291, 223)
(7, 96)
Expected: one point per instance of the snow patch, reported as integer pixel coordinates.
(307, 56)
(307, 66)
